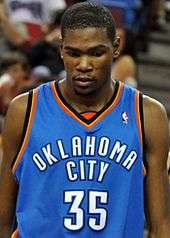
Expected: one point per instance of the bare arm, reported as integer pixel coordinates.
(10, 141)
(9, 28)
(156, 182)
(124, 68)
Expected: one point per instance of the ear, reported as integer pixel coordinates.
(116, 47)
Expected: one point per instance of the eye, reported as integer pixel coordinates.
(96, 53)
(73, 53)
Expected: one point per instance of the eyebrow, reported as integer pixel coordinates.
(89, 49)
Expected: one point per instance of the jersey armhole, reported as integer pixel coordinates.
(25, 130)
(142, 127)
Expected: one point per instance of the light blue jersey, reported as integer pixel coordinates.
(78, 177)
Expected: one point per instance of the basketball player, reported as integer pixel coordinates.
(74, 149)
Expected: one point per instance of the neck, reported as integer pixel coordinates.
(92, 102)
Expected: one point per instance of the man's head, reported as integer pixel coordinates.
(88, 47)
(88, 14)
(15, 64)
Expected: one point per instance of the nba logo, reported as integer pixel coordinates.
(125, 117)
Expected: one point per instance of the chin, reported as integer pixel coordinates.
(84, 92)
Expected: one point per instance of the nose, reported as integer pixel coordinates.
(84, 64)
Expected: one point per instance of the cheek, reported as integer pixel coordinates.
(100, 64)
(69, 64)
(106, 60)
(104, 65)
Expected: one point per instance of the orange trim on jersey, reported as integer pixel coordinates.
(137, 112)
(24, 144)
(88, 115)
(144, 170)
(15, 234)
(68, 111)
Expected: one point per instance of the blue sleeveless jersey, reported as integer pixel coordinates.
(80, 178)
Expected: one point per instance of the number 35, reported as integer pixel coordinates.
(95, 199)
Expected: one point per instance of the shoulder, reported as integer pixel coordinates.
(15, 117)
(155, 122)
(18, 106)
(13, 127)
(153, 107)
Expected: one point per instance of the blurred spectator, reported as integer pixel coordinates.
(161, 18)
(14, 73)
(127, 9)
(142, 26)
(46, 52)
(167, 9)
(127, 14)
(38, 75)
(33, 11)
(157, 17)
(8, 30)
(26, 19)
(124, 67)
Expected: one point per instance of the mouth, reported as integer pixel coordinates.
(83, 81)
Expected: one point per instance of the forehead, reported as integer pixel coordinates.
(86, 37)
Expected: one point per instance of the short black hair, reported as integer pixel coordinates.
(11, 58)
(88, 14)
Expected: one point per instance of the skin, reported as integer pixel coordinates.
(9, 28)
(123, 68)
(156, 181)
(89, 76)
(18, 75)
(17, 72)
(10, 141)
(83, 61)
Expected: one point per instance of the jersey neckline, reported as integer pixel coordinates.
(88, 123)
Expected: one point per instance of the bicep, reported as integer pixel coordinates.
(10, 142)
(157, 144)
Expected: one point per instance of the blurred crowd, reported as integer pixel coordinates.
(29, 41)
